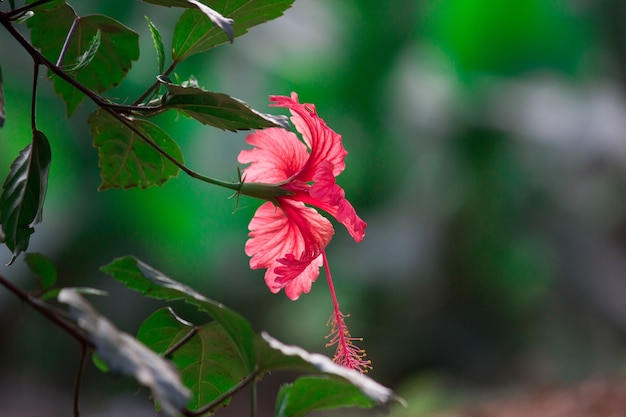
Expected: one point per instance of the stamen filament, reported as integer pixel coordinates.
(347, 354)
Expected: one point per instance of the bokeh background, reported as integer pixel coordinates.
(487, 153)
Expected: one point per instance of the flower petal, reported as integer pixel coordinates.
(325, 144)
(325, 194)
(288, 240)
(277, 156)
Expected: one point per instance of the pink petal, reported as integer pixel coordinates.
(330, 197)
(288, 241)
(277, 156)
(324, 143)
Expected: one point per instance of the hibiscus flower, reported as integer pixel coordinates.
(288, 236)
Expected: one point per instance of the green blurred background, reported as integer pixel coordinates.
(487, 153)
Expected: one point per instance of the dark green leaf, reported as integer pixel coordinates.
(216, 109)
(52, 4)
(312, 393)
(124, 354)
(209, 362)
(23, 194)
(2, 114)
(195, 33)
(88, 55)
(43, 268)
(158, 45)
(225, 24)
(138, 276)
(119, 46)
(125, 159)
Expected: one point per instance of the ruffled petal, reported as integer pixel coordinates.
(324, 143)
(325, 194)
(277, 156)
(288, 240)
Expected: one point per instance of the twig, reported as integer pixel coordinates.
(48, 311)
(79, 376)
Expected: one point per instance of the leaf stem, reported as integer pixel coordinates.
(66, 44)
(156, 84)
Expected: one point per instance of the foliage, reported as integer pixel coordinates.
(191, 368)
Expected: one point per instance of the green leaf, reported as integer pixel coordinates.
(139, 276)
(217, 109)
(195, 33)
(372, 390)
(312, 393)
(23, 194)
(158, 45)
(225, 24)
(125, 159)
(43, 268)
(209, 362)
(122, 353)
(88, 55)
(119, 46)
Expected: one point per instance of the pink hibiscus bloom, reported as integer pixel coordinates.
(286, 236)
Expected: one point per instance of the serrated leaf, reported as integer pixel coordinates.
(313, 393)
(124, 354)
(119, 46)
(225, 24)
(217, 109)
(125, 159)
(138, 276)
(195, 33)
(43, 268)
(88, 55)
(209, 362)
(23, 194)
(158, 45)
(371, 389)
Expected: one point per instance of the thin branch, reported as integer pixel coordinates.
(24, 9)
(113, 109)
(51, 313)
(79, 376)
(33, 101)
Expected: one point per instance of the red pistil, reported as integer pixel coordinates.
(347, 354)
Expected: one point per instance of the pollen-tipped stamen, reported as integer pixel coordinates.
(347, 354)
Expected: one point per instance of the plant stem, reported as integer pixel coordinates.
(48, 311)
(181, 342)
(66, 44)
(33, 102)
(113, 109)
(23, 9)
(79, 377)
(155, 85)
